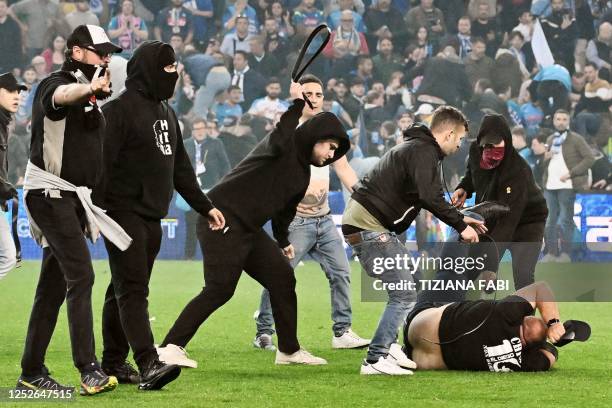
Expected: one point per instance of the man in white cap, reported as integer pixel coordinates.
(65, 164)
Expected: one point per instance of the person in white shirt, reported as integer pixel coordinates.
(271, 105)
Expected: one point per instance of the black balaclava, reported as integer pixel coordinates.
(146, 74)
(166, 81)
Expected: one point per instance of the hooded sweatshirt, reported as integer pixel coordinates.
(271, 181)
(510, 183)
(144, 155)
(405, 180)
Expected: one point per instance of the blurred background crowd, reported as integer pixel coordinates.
(388, 63)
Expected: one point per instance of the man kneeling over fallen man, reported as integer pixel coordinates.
(487, 335)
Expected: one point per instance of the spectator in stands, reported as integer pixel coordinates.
(40, 66)
(54, 55)
(519, 142)
(539, 149)
(237, 10)
(210, 162)
(594, 101)
(385, 62)
(485, 27)
(423, 42)
(238, 40)
(522, 51)
(275, 43)
(506, 72)
(602, 170)
(552, 86)
(209, 76)
(271, 105)
(230, 107)
(599, 50)
(334, 19)
(530, 113)
(81, 15)
(561, 33)
(365, 71)
(330, 105)
(462, 41)
(128, 29)
(11, 50)
(525, 25)
(250, 82)
(261, 61)
(478, 65)
(428, 15)
(353, 102)
(202, 11)
(35, 17)
(174, 19)
(346, 42)
(307, 17)
(567, 166)
(384, 21)
(585, 27)
(238, 139)
(436, 88)
(282, 17)
(178, 45)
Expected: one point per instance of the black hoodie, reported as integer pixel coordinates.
(271, 181)
(405, 180)
(510, 183)
(144, 155)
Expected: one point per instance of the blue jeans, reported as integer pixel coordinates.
(377, 245)
(560, 215)
(319, 238)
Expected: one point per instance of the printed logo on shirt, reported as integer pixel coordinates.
(160, 128)
(505, 357)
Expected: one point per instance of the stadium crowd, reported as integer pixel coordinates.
(388, 64)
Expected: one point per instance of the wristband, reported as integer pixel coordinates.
(552, 321)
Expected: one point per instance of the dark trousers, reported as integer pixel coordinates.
(191, 220)
(66, 273)
(125, 317)
(225, 257)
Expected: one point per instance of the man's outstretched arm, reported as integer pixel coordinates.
(540, 296)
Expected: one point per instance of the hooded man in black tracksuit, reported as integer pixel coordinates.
(268, 184)
(385, 203)
(497, 172)
(145, 159)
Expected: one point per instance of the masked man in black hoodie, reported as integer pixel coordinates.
(384, 204)
(145, 160)
(497, 172)
(268, 184)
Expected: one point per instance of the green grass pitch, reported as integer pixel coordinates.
(232, 373)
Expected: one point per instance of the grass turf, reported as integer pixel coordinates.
(232, 373)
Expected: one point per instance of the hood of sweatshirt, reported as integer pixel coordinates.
(495, 126)
(145, 70)
(420, 131)
(322, 126)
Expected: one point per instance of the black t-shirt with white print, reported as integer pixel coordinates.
(496, 346)
(67, 140)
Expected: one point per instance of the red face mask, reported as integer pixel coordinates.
(491, 157)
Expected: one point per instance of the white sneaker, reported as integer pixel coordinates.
(564, 258)
(299, 357)
(383, 367)
(549, 258)
(398, 357)
(264, 342)
(349, 340)
(172, 354)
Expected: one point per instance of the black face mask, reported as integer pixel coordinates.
(164, 86)
(87, 72)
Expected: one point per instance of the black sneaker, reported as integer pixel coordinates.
(125, 373)
(95, 381)
(158, 374)
(40, 382)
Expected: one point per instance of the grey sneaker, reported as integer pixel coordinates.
(264, 342)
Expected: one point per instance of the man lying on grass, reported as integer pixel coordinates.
(487, 335)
